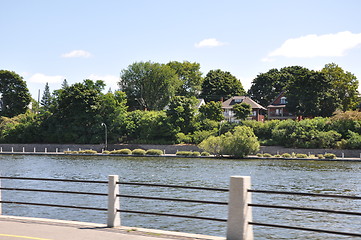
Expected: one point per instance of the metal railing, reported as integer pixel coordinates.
(173, 200)
(239, 222)
(304, 209)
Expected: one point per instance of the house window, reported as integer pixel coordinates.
(283, 100)
(254, 113)
(238, 100)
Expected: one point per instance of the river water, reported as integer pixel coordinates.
(300, 176)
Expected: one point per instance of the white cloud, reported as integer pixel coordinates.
(309, 46)
(76, 54)
(42, 78)
(209, 42)
(110, 80)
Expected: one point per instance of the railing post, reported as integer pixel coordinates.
(113, 201)
(239, 213)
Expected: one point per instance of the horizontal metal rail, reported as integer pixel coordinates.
(173, 199)
(52, 191)
(54, 179)
(173, 215)
(304, 194)
(54, 205)
(305, 209)
(305, 229)
(173, 186)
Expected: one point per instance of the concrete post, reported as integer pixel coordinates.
(23, 149)
(239, 213)
(34, 149)
(56, 150)
(113, 201)
(46, 150)
(12, 149)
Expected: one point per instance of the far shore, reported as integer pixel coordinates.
(250, 157)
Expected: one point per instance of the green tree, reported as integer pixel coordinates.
(181, 112)
(149, 85)
(77, 118)
(344, 85)
(267, 86)
(310, 93)
(218, 85)
(15, 96)
(190, 76)
(242, 110)
(212, 110)
(46, 100)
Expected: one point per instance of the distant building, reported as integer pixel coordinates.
(228, 113)
(278, 109)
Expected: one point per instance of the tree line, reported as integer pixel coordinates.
(169, 92)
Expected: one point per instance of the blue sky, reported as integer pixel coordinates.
(48, 41)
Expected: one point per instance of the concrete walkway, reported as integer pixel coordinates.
(17, 228)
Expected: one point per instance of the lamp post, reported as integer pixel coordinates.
(106, 137)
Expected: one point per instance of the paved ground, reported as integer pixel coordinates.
(17, 228)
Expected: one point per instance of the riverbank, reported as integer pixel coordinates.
(167, 149)
(251, 157)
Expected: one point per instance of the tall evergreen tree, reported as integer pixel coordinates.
(46, 100)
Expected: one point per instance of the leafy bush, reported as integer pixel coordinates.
(301, 155)
(182, 138)
(205, 154)
(354, 141)
(267, 155)
(286, 155)
(124, 151)
(87, 152)
(71, 152)
(320, 156)
(330, 156)
(184, 153)
(138, 152)
(199, 136)
(196, 154)
(259, 155)
(240, 143)
(277, 156)
(157, 152)
(106, 152)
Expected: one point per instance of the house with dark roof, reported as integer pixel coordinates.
(278, 109)
(228, 113)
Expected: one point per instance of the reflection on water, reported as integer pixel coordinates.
(305, 176)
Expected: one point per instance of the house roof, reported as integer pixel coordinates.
(241, 99)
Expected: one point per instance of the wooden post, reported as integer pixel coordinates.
(113, 201)
(239, 213)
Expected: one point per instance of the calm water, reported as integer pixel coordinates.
(309, 176)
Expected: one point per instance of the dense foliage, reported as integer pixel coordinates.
(79, 113)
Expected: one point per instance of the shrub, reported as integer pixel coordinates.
(157, 152)
(267, 155)
(330, 156)
(106, 152)
(184, 153)
(240, 143)
(182, 138)
(138, 152)
(71, 152)
(87, 152)
(124, 151)
(277, 156)
(286, 155)
(196, 154)
(259, 155)
(301, 155)
(205, 154)
(354, 141)
(320, 156)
